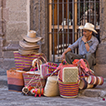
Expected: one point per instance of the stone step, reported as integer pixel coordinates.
(99, 91)
(3, 80)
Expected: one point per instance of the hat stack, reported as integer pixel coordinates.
(28, 45)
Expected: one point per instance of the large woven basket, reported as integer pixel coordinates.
(24, 61)
(15, 79)
(68, 90)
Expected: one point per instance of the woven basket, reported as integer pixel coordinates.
(83, 83)
(24, 61)
(68, 73)
(68, 90)
(47, 68)
(100, 80)
(33, 79)
(15, 79)
(92, 79)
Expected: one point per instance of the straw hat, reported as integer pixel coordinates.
(31, 37)
(26, 52)
(28, 46)
(88, 26)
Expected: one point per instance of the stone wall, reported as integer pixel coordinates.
(38, 17)
(17, 19)
(14, 22)
(100, 68)
(14, 15)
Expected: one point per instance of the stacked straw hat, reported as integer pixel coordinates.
(28, 45)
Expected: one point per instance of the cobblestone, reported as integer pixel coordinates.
(11, 98)
(87, 97)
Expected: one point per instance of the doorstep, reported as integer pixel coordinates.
(98, 91)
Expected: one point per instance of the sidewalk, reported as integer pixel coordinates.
(98, 91)
(88, 97)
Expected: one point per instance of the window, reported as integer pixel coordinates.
(65, 16)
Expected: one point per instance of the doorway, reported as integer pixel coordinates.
(65, 16)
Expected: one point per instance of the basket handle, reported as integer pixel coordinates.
(54, 72)
(14, 69)
(49, 66)
(38, 61)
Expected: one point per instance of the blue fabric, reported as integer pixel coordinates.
(93, 43)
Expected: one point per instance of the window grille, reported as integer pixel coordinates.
(65, 16)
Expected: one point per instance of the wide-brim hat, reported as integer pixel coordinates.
(88, 26)
(31, 37)
(28, 46)
(27, 52)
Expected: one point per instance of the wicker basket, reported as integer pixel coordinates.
(83, 83)
(24, 61)
(33, 79)
(68, 90)
(15, 79)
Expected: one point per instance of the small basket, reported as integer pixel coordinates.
(83, 83)
(68, 90)
(48, 68)
(33, 79)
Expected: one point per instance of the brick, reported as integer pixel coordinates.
(8, 63)
(8, 49)
(0, 3)
(17, 16)
(0, 14)
(1, 52)
(16, 5)
(6, 14)
(91, 93)
(4, 3)
(94, 92)
(15, 30)
(100, 70)
(101, 54)
(8, 54)
(2, 42)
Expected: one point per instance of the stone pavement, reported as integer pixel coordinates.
(87, 97)
(10, 98)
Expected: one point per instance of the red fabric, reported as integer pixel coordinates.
(81, 63)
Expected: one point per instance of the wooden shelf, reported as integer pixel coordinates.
(66, 27)
(61, 27)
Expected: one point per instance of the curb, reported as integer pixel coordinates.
(94, 93)
(99, 91)
(3, 80)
